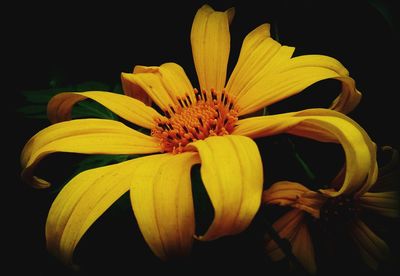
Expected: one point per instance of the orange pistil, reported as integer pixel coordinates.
(210, 114)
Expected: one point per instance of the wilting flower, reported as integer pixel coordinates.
(344, 211)
(197, 126)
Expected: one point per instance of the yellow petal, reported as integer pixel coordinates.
(327, 126)
(85, 198)
(149, 80)
(232, 174)
(164, 84)
(89, 136)
(258, 50)
(286, 227)
(175, 81)
(349, 97)
(383, 203)
(372, 248)
(60, 107)
(278, 85)
(373, 171)
(210, 40)
(135, 91)
(291, 226)
(285, 193)
(161, 196)
(303, 249)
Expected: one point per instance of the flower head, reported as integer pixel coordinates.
(195, 126)
(333, 212)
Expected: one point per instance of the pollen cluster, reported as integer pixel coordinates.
(208, 114)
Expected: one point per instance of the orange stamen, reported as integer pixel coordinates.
(211, 114)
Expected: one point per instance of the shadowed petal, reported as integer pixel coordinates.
(383, 203)
(232, 174)
(285, 193)
(133, 90)
(291, 226)
(372, 248)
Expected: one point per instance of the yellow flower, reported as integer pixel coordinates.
(202, 126)
(344, 211)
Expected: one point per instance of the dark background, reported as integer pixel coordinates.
(73, 43)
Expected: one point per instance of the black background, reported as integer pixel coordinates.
(74, 43)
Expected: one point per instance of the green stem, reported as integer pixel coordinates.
(303, 164)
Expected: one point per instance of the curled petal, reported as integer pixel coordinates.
(325, 126)
(88, 136)
(279, 86)
(60, 107)
(232, 174)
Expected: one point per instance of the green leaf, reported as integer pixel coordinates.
(384, 9)
(92, 86)
(37, 100)
(95, 161)
(89, 108)
(118, 89)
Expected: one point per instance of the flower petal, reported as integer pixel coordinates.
(90, 136)
(85, 198)
(324, 126)
(232, 174)
(135, 91)
(210, 41)
(292, 226)
(161, 196)
(349, 97)
(60, 107)
(285, 193)
(149, 80)
(164, 84)
(279, 86)
(372, 248)
(260, 54)
(303, 249)
(383, 203)
(176, 81)
(373, 171)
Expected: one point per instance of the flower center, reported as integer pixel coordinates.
(339, 209)
(209, 114)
